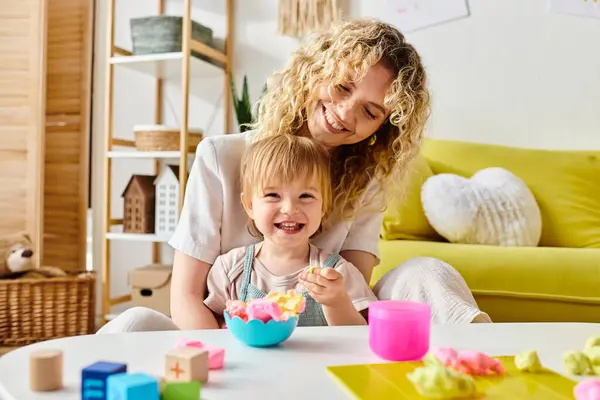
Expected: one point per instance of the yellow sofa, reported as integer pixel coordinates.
(559, 280)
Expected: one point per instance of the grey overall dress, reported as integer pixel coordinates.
(313, 312)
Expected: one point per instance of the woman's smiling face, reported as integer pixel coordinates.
(351, 111)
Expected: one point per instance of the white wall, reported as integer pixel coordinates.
(511, 73)
(515, 74)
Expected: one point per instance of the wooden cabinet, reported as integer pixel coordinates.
(45, 96)
(22, 98)
(68, 101)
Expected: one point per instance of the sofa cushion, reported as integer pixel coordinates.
(566, 184)
(514, 284)
(405, 218)
(491, 207)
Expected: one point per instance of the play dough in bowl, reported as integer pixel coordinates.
(256, 333)
(264, 322)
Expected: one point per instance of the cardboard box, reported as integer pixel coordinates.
(151, 286)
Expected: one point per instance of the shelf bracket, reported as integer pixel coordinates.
(121, 51)
(205, 50)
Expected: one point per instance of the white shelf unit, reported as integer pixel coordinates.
(176, 67)
(137, 237)
(153, 155)
(167, 65)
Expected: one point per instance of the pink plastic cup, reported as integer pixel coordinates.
(399, 330)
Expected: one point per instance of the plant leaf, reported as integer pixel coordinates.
(246, 94)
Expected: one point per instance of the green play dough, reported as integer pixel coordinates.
(431, 359)
(438, 382)
(577, 363)
(594, 341)
(593, 354)
(528, 361)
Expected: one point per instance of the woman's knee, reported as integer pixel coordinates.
(416, 277)
(420, 267)
(139, 319)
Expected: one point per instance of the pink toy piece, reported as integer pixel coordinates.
(447, 355)
(399, 330)
(477, 363)
(588, 389)
(216, 355)
(264, 310)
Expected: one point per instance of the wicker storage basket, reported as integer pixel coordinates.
(163, 138)
(34, 310)
(163, 33)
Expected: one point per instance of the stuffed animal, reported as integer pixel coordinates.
(17, 261)
(16, 254)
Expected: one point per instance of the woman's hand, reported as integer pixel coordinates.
(325, 285)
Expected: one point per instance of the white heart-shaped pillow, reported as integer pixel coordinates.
(493, 207)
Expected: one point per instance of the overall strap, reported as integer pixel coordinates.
(332, 260)
(248, 261)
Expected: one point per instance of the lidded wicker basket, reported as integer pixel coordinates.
(34, 310)
(164, 138)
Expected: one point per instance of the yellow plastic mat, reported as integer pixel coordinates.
(389, 381)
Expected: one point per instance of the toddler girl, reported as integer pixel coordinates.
(286, 192)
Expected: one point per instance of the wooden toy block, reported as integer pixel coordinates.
(216, 355)
(182, 391)
(138, 386)
(46, 370)
(186, 364)
(94, 376)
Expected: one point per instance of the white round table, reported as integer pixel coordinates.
(295, 370)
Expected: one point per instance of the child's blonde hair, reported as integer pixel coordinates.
(347, 48)
(278, 159)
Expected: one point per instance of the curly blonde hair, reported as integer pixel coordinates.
(350, 48)
(275, 160)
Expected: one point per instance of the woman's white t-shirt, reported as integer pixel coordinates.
(213, 221)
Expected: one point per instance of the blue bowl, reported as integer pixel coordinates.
(256, 333)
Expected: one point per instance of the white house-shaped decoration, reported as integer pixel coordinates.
(167, 200)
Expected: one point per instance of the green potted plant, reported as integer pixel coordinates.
(242, 104)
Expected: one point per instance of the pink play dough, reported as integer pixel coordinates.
(478, 363)
(264, 310)
(468, 361)
(588, 389)
(216, 355)
(446, 355)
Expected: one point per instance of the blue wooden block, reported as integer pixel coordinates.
(137, 386)
(93, 379)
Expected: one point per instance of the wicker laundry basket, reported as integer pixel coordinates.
(34, 310)
(163, 33)
(164, 138)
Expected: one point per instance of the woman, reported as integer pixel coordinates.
(359, 89)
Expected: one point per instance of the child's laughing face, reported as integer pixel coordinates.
(288, 214)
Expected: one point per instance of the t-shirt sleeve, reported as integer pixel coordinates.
(219, 287)
(364, 231)
(198, 232)
(357, 288)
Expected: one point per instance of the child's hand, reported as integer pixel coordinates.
(325, 285)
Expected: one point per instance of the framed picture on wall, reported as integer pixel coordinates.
(582, 8)
(412, 15)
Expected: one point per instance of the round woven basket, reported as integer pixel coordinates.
(164, 138)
